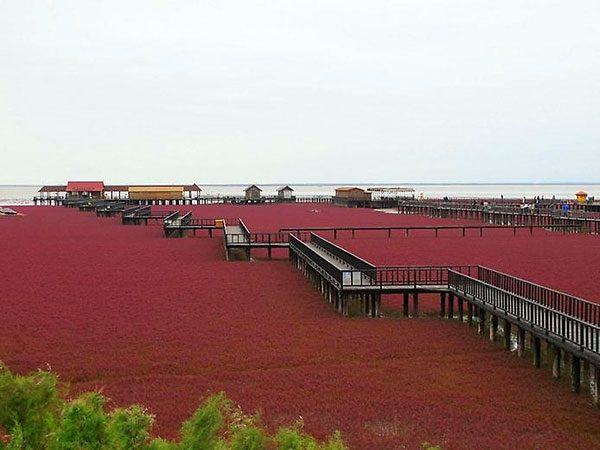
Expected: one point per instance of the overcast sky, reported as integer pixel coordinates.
(299, 91)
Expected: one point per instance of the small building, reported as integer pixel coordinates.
(285, 192)
(155, 192)
(581, 197)
(351, 196)
(121, 191)
(354, 193)
(252, 192)
(85, 189)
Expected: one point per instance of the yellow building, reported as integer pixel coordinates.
(155, 192)
(581, 197)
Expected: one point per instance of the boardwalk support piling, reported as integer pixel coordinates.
(493, 328)
(443, 305)
(537, 352)
(520, 342)
(481, 324)
(507, 335)
(594, 378)
(556, 354)
(470, 314)
(415, 304)
(575, 374)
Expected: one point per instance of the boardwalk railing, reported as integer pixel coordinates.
(262, 238)
(435, 228)
(585, 336)
(404, 276)
(343, 255)
(552, 219)
(556, 300)
(212, 222)
(316, 260)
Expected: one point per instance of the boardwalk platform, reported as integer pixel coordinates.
(551, 219)
(139, 215)
(355, 286)
(434, 228)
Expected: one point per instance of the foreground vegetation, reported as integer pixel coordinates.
(35, 414)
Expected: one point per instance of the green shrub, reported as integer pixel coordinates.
(36, 415)
(83, 424)
(29, 407)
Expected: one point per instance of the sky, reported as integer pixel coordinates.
(299, 91)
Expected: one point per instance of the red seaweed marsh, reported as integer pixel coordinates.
(161, 322)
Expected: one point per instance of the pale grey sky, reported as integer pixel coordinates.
(299, 91)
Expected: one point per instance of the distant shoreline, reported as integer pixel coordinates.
(558, 183)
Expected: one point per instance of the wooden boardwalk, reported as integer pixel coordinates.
(568, 324)
(551, 219)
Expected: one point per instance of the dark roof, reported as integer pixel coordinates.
(252, 187)
(85, 186)
(53, 188)
(125, 187)
(284, 188)
(119, 187)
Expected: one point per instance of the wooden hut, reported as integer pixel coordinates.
(121, 191)
(85, 189)
(155, 192)
(351, 196)
(252, 193)
(285, 193)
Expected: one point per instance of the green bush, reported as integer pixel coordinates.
(35, 415)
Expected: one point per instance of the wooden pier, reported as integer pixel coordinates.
(199, 200)
(553, 219)
(239, 239)
(569, 325)
(435, 228)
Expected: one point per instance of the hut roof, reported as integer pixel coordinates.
(284, 188)
(252, 187)
(53, 188)
(85, 186)
(581, 193)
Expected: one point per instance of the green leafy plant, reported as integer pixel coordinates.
(35, 415)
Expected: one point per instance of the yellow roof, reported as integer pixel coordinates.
(155, 189)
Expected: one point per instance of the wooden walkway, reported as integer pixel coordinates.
(554, 220)
(568, 324)
(435, 228)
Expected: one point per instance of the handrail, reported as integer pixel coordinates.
(422, 227)
(342, 254)
(243, 227)
(404, 276)
(262, 238)
(316, 260)
(557, 300)
(567, 328)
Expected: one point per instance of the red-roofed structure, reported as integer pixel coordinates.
(93, 189)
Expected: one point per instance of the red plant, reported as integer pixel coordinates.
(162, 321)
